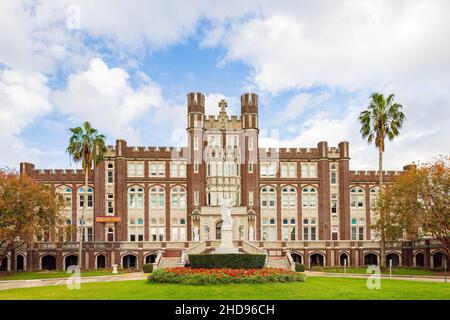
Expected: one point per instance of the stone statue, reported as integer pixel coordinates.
(196, 234)
(251, 234)
(225, 210)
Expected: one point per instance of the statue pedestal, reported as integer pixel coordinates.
(226, 243)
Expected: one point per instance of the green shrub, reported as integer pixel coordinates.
(229, 260)
(147, 268)
(168, 276)
(299, 267)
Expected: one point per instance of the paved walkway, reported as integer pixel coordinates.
(383, 276)
(13, 284)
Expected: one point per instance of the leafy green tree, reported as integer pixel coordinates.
(382, 119)
(27, 209)
(86, 146)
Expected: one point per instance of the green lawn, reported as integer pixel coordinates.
(395, 271)
(51, 274)
(313, 288)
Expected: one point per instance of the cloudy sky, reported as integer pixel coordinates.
(126, 66)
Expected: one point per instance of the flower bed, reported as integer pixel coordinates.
(221, 276)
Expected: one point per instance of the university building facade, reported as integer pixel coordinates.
(158, 204)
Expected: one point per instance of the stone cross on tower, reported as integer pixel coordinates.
(223, 113)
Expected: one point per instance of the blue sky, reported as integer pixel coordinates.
(126, 66)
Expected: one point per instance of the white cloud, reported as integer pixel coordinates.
(105, 97)
(23, 98)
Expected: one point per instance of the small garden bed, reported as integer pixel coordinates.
(199, 276)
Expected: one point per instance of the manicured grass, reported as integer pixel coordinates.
(51, 274)
(313, 288)
(395, 271)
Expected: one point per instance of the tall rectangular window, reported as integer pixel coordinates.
(250, 144)
(110, 177)
(195, 143)
(250, 198)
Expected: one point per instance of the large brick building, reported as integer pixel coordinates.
(148, 203)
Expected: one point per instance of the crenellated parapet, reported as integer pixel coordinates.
(64, 175)
(372, 176)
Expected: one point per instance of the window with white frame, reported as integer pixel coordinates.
(373, 197)
(178, 197)
(109, 173)
(136, 229)
(334, 203)
(268, 195)
(135, 198)
(110, 203)
(357, 197)
(288, 229)
(250, 198)
(309, 197)
(157, 197)
(250, 144)
(269, 229)
(232, 140)
(250, 167)
(157, 169)
(65, 194)
(267, 169)
(135, 168)
(357, 232)
(214, 140)
(90, 197)
(196, 143)
(288, 170)
(309, 229)
(157, 229)
(309, 169)
(288, 197)
(178, 229)
(178, 169)
(333, 174)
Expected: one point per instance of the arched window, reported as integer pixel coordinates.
(135, 198)
(90, 202)
(357, 197)
(268, 197)
(65, 194)
(140, 221)
(309, 197)
(157, 197)
(288, 197)
(373, 197)
(178, 197)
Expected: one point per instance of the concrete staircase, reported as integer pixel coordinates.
(278, 262)
(169, 262)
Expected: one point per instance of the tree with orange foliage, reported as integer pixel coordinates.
(418, 204)
(27, 209)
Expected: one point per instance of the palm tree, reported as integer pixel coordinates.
(87, 146)
(382, 119)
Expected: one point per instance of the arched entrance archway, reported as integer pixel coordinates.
(395, 259)
(101, 261)
(20, 263)
(219, 230)
(48, 262)
(151, 258)
(420, 260)
(129, 261)
(438, 260)
(344, 259)
(297, 258)
(4, 265)
(70, 260)
(370, 259)
(316, 260)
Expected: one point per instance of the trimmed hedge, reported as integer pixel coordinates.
(299, 267)
(228, 260)
(147, 268)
